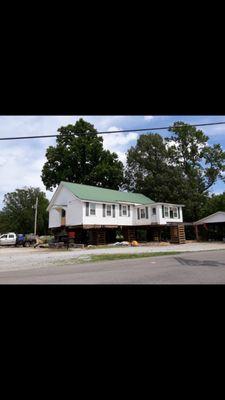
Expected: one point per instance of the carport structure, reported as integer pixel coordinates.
(211, 227)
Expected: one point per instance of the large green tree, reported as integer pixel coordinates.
(150, 170)
(214, 203)
(79, 157)
(18, 211)
(181, 168)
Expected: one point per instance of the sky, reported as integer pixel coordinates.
(21, 161)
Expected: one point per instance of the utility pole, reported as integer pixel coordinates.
(35, 218)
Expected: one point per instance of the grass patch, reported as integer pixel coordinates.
(111, 257)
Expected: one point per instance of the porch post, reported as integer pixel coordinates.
(196, 233)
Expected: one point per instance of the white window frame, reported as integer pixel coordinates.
(92, 208)
(166, 212)
(175, 212)
(108, 208)
(124, 208)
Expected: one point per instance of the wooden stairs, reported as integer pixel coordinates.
(177, 234)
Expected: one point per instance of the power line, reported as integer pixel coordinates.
(109, 132)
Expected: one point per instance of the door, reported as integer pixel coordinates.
(3, 240)
(11, 238)
(63, 217)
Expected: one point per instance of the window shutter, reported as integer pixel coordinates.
(113, 208)
(120, 210)
(178, 212)
(128, 211)
(87, 209)
(138, 213)
(103, 209)
(146, 212)
(163, 213)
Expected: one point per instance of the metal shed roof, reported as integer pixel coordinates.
(94, 193)
(219, 216)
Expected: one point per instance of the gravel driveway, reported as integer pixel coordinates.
(27, 258)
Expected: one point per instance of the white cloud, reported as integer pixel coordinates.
(118, 142)
(21, 161)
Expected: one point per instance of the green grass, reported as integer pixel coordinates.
(111, 257)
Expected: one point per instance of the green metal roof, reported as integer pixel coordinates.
(94, 193)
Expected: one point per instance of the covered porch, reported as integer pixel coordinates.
(103, 234)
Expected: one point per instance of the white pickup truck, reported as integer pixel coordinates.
(8, 239)
(12, 239)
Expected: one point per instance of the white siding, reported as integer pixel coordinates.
(63, 197)
(98, 218)
(54, 218)
(168, 219)
(76, 213)
(72, 206)
(155, 219)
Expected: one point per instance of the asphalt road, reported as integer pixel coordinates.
(187, 268)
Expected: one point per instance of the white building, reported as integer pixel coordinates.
(74, 206)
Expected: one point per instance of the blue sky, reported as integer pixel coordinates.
(21, 162)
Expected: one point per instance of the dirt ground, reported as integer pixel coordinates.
(12, 258)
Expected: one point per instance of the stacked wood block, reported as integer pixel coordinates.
(156, 235)
(99, 237)
(131, 234)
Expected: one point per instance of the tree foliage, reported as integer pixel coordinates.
(179, 169)
(18, 212)
(81, 159)
(214, 203)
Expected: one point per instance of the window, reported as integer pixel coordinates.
(114, 210)
(124, 210)
(163, 212)
(120, 210)
(154, 211)
(11, 236)
(175, 215)
(146, 212)
(103, 210)
(63, 213)
(87, 209)
(92, 208)
(166, 212)
(128, 211)
(3, 236)
(142, 213)
(108, 210)
(138, 213)
(173, 212)
(178, 212)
